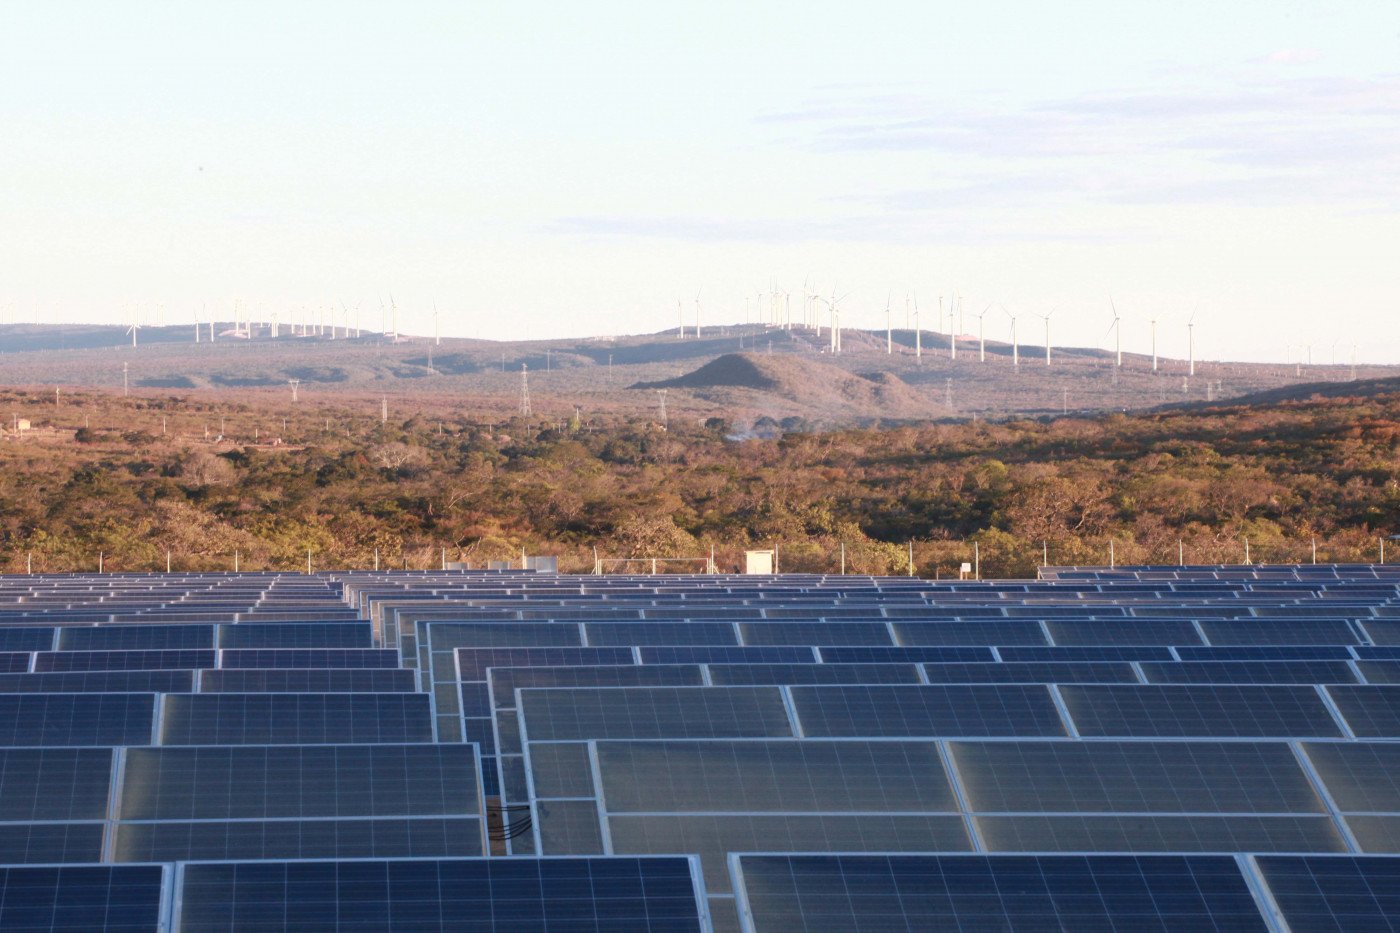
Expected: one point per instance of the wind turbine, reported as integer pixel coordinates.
(1015, 345)
(981, 335)
(132, 331)
(697, 315)
(918, 331)
(394, 316)
(1153, 322)
(1046, 319)
(1117, 331)
(1191, 344)
(953, 331)
(437, 334)
(889, 331)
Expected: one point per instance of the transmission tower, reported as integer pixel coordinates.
(661, 395)
(524, 390)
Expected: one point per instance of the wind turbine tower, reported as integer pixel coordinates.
(1153, 322)
(1015, 344)
(1117, 330)
(982, 335)
(1191, 344)
(889, 330)
(918, 331)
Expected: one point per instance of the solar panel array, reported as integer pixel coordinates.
(1141, 748)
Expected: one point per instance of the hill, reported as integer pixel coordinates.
(907, 377)
(751, 382)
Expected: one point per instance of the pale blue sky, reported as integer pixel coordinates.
(575, 168)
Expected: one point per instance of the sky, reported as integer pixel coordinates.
(574, 169)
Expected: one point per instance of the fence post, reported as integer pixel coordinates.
(444, 558)
(1112, 557)
(376, 558)
(308, 562)
(167, 560)
(1246, 551)
(911, 558)
(976, 560)
(1314, 550)
(235, 562)
(100, 557)
(843, 557)
(1180, 553)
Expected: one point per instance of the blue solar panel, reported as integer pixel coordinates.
(860, 893)
(601, 895)
(116, 898)
(1335, 893)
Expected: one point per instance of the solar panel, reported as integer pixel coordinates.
(1371, 712)
(1250, 672)
(867, 893)
(569, 827)
(20, 638)
(662, 633)
(988, 632)
(308, 680)
(133, 637)
(51, 719)
(50, 843)
(304, 635)
(917, 711)
(1077, 716)
(761, 674)
(1133, 777)
(597, 895)
(114, 898)
(769, 776)
(274, 658)
(345, 838)
(1334, 893)
(156, 660)
(1359, 776)
(1190, 710)
(1032, 672)
(54, 783)
(210, 783)
(1033, 832)
(839, 654)
(1131, 632)
(98, 682)
(295, 718)
(654, 712)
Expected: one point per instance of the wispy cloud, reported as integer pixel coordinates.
(1310, 138)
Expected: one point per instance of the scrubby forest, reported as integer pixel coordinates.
(129, 480)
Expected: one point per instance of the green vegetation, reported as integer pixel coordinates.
(98, 475)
